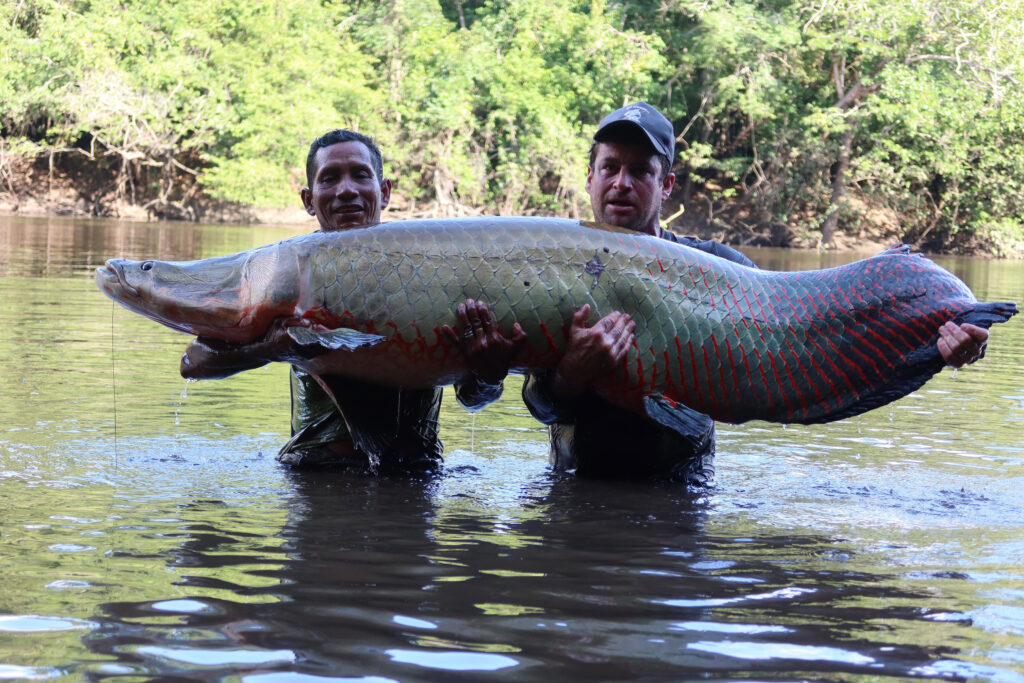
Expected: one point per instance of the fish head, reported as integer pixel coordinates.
(233, 297)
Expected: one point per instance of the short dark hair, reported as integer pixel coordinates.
(342, 135)
(627, 136)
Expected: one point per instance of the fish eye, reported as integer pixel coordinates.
(146, 265)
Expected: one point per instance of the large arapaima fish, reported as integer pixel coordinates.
(733, 342)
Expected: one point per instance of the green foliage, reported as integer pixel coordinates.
(795, 108)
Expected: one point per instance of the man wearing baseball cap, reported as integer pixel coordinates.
(628, 178)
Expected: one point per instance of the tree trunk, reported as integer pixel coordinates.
(828, 228)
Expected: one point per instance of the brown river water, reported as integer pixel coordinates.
(146, 532)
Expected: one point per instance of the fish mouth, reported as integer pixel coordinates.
(114, 270)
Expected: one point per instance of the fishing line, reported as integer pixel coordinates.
(113, 377)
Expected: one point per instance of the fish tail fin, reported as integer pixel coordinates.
(924, 362)
(988, 313)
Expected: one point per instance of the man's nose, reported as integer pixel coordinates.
(345, 187)
(622, 181)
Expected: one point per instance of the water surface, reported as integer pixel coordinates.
(148, 533)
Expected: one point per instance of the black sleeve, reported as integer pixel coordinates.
(542, 403)
(474, 395)
(711, 247)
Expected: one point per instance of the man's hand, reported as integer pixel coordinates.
(593, 351)
(489, 353)
(961, 344)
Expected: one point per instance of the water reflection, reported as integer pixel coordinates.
(149, 534)
(589, 581)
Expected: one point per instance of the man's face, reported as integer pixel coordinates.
(346, 192)
(626, 188)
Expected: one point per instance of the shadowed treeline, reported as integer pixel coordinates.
(799, 122)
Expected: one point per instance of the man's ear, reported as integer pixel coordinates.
(667, 185)
(590, 175)
(307, 201)
(385, 192)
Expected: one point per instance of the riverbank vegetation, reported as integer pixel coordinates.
(800, 122)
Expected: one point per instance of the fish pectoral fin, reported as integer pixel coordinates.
(340, 338)
(686, 422)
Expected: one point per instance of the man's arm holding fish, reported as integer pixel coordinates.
(488, 353)
(207, 358)
(960, 345)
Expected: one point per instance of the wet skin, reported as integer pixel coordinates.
(626, 188)
(345, 191)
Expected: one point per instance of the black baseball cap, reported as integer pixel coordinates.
(652, 122)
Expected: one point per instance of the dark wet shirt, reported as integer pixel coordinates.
(396, 428)
(594, 438)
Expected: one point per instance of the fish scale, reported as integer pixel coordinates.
(730, 341)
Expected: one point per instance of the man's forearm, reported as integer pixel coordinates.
(203, 361)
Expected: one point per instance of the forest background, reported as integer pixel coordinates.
(800, 122)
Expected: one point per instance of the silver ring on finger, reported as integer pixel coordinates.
(468, 334)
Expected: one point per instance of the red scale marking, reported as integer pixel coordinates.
(764, 316)
(682, 373)
(904, 327)
(746, 366)
(721, 372)
(922, 321)
(721, 367)
(778, 381)
(866, 358)
(859, 338)
(803, 371)
(799, 390)
(835, 367)
(711, 296)
(735, 301)
(668, 372)
(551, 342)
(421, 342)
(654, 368)
(750, 312)
(732, 364)
(693, 368)
(796, 356)
(764, 379)
(817, 313)
(849, 361)
(446, 348)
(870, 323)
(707, 375)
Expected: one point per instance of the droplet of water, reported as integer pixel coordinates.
(472, 433)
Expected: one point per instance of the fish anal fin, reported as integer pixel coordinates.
(670, 414)
(347, 397)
